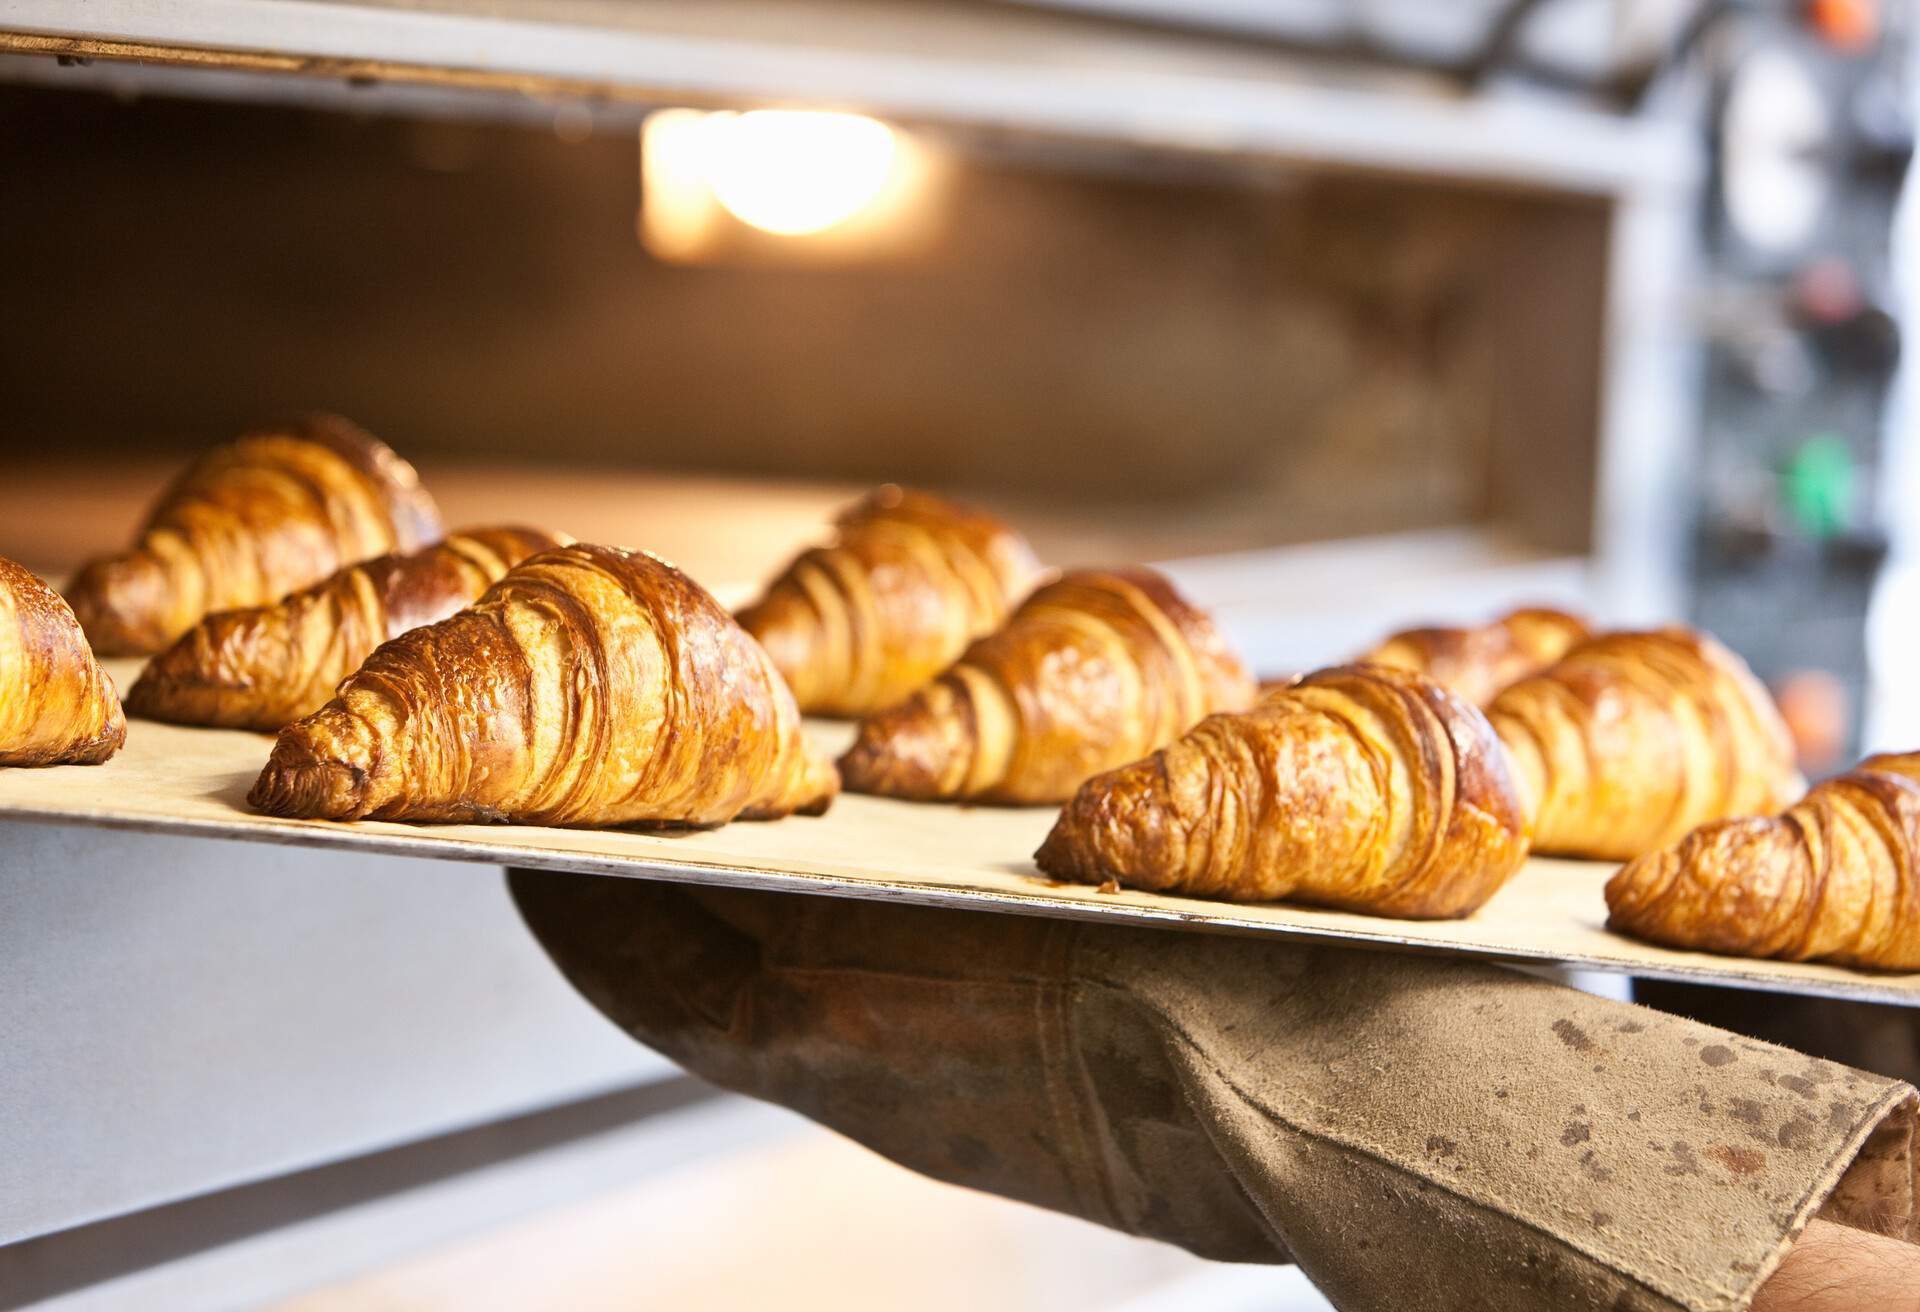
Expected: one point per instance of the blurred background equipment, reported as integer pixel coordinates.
(1811, 128)
(1353, 315)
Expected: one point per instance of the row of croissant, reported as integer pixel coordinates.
(297, 580)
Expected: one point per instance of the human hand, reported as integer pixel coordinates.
(1414, 1131)
(1835, 1268)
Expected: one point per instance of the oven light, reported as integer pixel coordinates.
(791, 173)
(794, 172)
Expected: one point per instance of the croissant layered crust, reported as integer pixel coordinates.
(1094, 670)
(56, 704)
(1632, 739)
(249, 522)
(1476, 663)
(263, 667)
(590, 686)
(1361, 787)
(1833, 878)
(906, 583)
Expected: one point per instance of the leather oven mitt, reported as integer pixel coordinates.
(1415, 1132)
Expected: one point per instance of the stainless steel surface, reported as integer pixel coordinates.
(259, 1243)
(185, 1015)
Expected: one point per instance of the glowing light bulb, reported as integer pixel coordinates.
(794, 172)
(785, 186)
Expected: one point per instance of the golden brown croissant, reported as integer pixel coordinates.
(1477, 663)
(1094, 670)
(266, 666)
(249, 522)
(907, 582)
(1361, 787)
(1632, 739)
(1833, 879)
(590, 686)
(56, 705)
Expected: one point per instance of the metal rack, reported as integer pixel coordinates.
(969, 66)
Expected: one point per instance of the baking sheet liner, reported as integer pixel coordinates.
(170, 779)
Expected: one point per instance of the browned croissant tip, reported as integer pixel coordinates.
(94, 751)
(902, 753)
(180, 685)
(1633, 878)
(872, 766)
(1058, 855)
(1112, 829)
(820, 785)
(818, 806)
(111, 738)
(113, 598)
(298, 783)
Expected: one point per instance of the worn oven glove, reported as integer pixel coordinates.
(1414, 1132)
(1873, 1036)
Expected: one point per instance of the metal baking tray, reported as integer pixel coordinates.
(172, 780)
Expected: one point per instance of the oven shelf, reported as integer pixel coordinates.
(193, 783)
(998, 69)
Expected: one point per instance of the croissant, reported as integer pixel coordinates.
(1477, 663)
(590, 686)
(907, 582)
(1632, 739)
(1833, 879)
(266, 666)
(56, 705)
(1362, 787)
(1094, 670)
(249, 522)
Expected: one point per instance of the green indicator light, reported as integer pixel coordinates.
(1817, 485)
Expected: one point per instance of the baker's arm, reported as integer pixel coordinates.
(1415, 1132)
(1835, 1268)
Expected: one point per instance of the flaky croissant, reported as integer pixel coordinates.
(1094, 670)
(1476, 663)
(1362, 787)
(590, 686)
(1832, 879)
(1632, 739)
(263, 667)
(906, 583)
(56, 705)
(249, 522)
